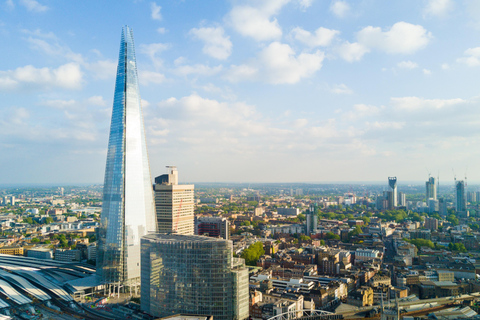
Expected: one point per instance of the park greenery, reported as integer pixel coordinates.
(253, 253)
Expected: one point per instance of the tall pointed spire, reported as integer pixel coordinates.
(128, 211)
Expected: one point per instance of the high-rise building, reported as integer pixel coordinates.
(311, 220)
(174, 203)
(402, 199)
(392, 182)
(128, 211)
(442, 207)
(217, 227)
(431, 189)
(471, 196)
(460, 200)
(193, 275)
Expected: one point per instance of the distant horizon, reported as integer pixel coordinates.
(399, 183)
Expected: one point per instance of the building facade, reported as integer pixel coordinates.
(174, 203)
(460, 200)
(128, 211)
(217, 227)
(430, 189)
(193, 275)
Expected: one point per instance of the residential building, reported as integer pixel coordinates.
(288, 211)
(430, 189)
(174, 204)
(460, 200)
(392, 182)
(193, 275)
(128, 211)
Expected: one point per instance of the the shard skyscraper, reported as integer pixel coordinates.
(128, 211)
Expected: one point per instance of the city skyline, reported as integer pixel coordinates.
(272, 91)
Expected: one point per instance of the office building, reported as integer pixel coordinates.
(392, 182)
(184, 274)
(288, 211)
(460, 200)
(67, 255)
(430, 189)
(442, 207)
(216, 227)
(311, 220)
(402, 199)
(128, 211)
(174, 204)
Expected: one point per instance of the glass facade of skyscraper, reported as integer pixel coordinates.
(128, 211)
(192, 275)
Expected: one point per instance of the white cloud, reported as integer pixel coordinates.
(426, 72)
(351, 51)
(102, 69)
(402, 37)
(322, 36)
(67, 76)
(339, 8)
(156, 15)
(241, 73)
(9, 4)
(152, 50)
(146, 77)
(33, 6)
(217, 45)
(341, 89)
(407, 65)
(97, 101)
(256, 21)
(445, 66)
(282, 66)
(438, 8)
(161, 30)
(415, 104)
(472, 58)
(304, 4)
(199, 69)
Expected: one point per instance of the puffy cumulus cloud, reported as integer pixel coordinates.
(256, 20)
(147, 77)
(152, 50)
(217, 45)
(67, 76)
(197, 69)
(156, 15)
(322, 37)
(304, 4)
(339, 8)
(241, 73)
(277, 64)
(33, 6)
(438, 8)
(351, 51)
(426, 72)
(283, 66)
(407, 65)
(471, 59)
(402, 37)
(102, 69)
(416, 104)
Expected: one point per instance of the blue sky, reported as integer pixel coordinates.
(245, 91)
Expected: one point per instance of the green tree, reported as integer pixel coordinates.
(453, 220)
(331, 235)
(35, 240)
(253, 253)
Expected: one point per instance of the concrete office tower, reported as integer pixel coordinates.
(128, 211)
(216, 227)
(431, 189)
(193, 275)
(460, 200)
(442, 207)
(174, 203)
(392, 182)
(311, 220)
(402, 199)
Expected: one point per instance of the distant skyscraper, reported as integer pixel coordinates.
(128, 211)
(311, 220)
(402, 199)
(174, 204)
(193, 275)
(431, 189)
(392, 182)
(460, 200)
